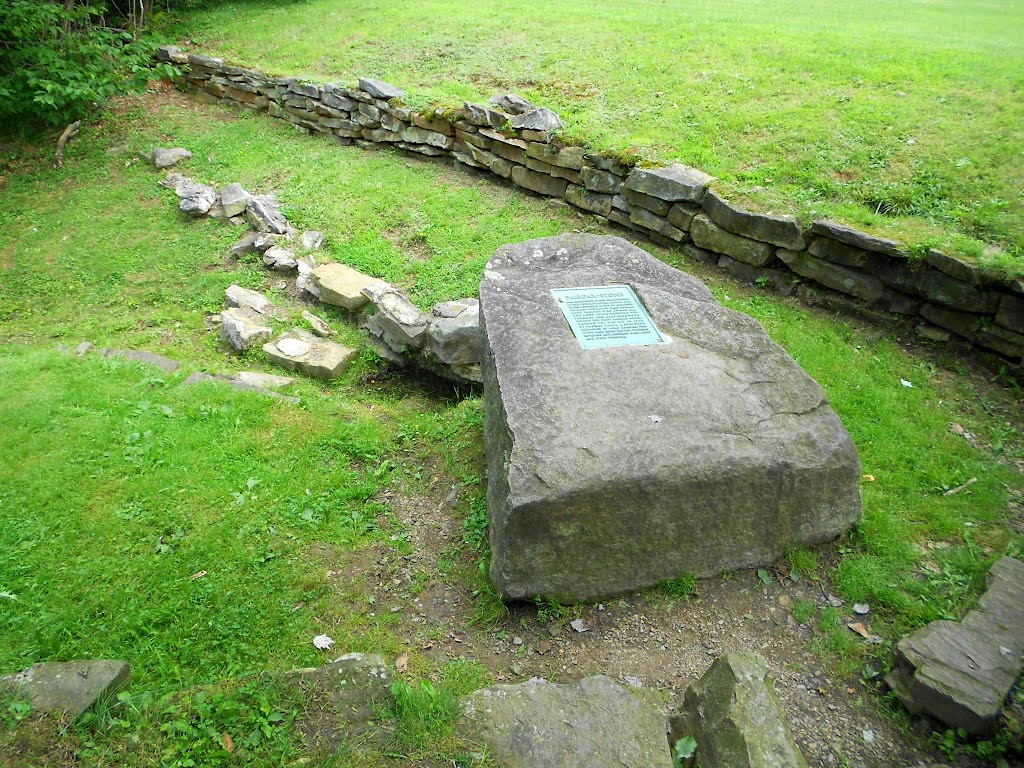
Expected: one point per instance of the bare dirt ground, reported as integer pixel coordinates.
(649, 639)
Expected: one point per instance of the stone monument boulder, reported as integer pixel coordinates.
(616, 467)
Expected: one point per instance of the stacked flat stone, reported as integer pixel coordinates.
(944, 299)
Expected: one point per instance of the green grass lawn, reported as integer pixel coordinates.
(902, 116)
(117, 485)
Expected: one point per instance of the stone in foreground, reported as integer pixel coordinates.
(734, 715)
(71, 686)
(961, 672)
(299, 350)
(616, 468)
(594, 723)
(343, 700)
(241, 328)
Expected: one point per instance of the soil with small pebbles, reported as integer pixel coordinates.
(649, 639)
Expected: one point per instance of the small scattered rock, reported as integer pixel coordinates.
(165, 158)
(237, 296)
(234, 199)
(594, 723)
(379, 89)
(734, 714)
(311, 240)
(241, 328)
(320, 327)
(263, 215)
(246, 245)
(537, 120)
(237, 383)
(265, 380)
(343, 700)
(961, 672)
(280, 259)
(342, 286)
(140, 356)
(512, 103)
(396, 316)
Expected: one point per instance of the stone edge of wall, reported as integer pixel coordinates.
(943, 299)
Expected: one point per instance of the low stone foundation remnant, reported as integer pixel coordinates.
(945, 300)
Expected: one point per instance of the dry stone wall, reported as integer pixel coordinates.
(944, 299)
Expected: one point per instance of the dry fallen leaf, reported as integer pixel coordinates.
(861, 630)
(868, 478)
(228, 742)
(198, 575)
(543, 647)
(402, 663)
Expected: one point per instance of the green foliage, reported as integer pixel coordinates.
(58, 61)
(803, 611)
(426, 712)
(683, 751)
(803, 563)
(683, 586)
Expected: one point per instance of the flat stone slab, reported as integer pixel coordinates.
(595, 723)
(612, 469)
(342, 286)
(141, 356)
(71, 686)
(961, 672)
(299, 350)
(238, 381)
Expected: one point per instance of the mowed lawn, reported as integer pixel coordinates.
(907, 117)
(207, 535)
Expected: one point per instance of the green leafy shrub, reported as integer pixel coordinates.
(58, 61)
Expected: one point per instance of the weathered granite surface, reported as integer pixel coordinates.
(613, 469)
(595, 723)
(70, 686)
(961, 672)
(735, 716)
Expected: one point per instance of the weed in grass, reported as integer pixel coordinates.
(835, 641)
(803, 562)
(489, 610)
(549, 610)
(682, 587)
(804, 610)
(426, 711)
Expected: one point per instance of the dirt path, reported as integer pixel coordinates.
(648, 639)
